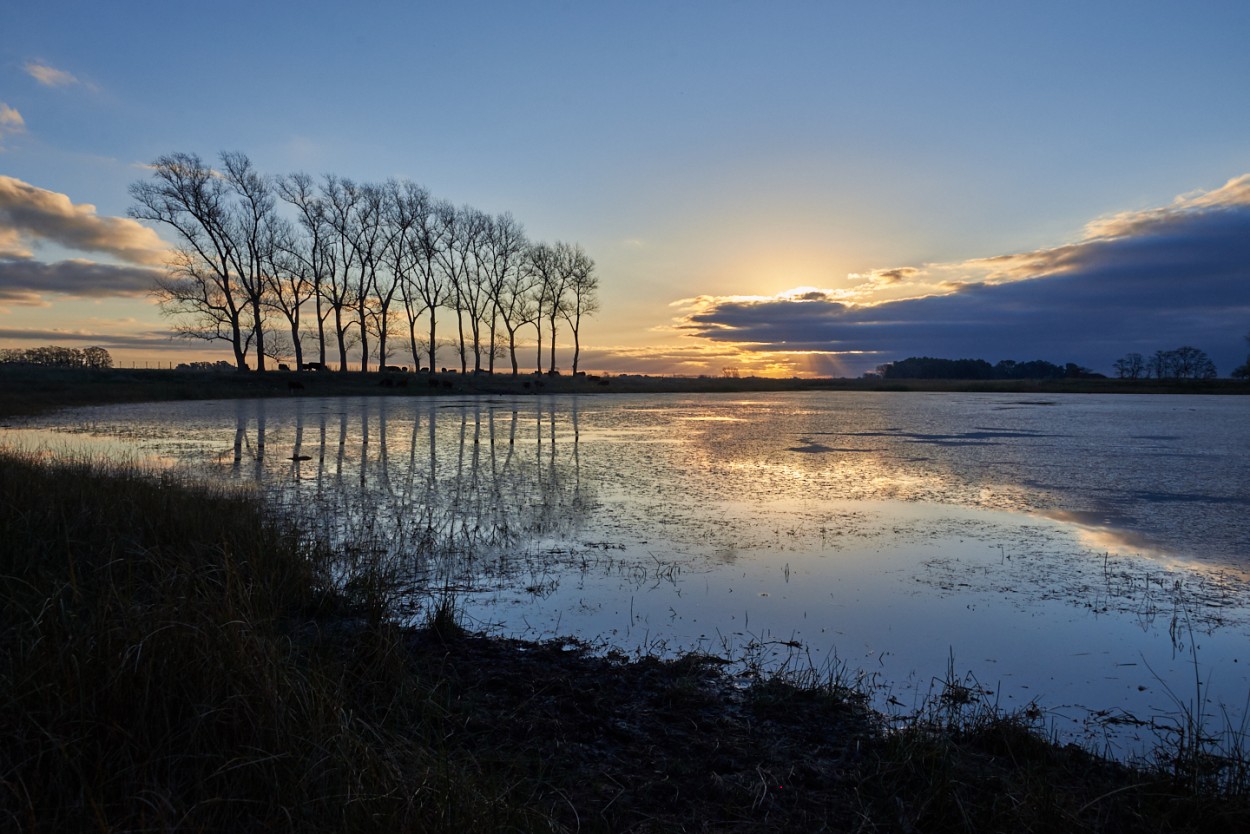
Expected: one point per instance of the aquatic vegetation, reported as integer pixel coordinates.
(1050, 540)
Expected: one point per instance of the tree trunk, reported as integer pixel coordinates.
(340, 334)
(321, 334)
(295, 341)
(433, 344)
(551, 366)
(538, 325)
(260, 334)
(464, 356)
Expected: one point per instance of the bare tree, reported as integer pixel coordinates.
(291, 287)
(308, 259)
(1185, 362)
(540, 261)
(517, 304)
(402, 208)
(1130, 366)
(459, 232)
(503, 257)
(1243, 371)
(201, 290)
(367, 239)
(582, 284)
(409, 210)
(351, 256)
(254, 228)
(429, 284)
(1189, 362)
(340, 198)
(554, 277)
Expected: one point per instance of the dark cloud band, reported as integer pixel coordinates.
(1181, 278)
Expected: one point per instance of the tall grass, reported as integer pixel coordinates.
(170, 662)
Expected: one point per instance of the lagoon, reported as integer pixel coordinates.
(1085, 554)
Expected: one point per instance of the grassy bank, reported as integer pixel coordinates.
(29, 390)
(175, 659)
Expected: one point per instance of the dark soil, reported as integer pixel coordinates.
(606, 744)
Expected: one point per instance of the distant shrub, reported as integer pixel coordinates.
(58, 357)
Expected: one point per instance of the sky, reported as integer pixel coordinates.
(782, 188)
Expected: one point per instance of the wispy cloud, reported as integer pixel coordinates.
(11, 122)
(110, 338)
(36, 214)
(50, 76)
(1137, 281)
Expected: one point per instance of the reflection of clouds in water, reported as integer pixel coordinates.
(1104, 531)
(904, 518)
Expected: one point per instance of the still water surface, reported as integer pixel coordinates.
(1085, 553)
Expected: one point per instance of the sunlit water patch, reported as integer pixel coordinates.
(1084, 553)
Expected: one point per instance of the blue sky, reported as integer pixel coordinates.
(731, 167)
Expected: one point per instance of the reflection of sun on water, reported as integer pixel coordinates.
(847, 523)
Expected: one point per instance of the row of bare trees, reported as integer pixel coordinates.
(1185, 362)
(266, 263)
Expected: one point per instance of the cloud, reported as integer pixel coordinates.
(11, 246)
(11, 122)
(147, 340)
(46, 215)
(25, 282)
(1139, 281)
(893, 276)
(50, 76)
(1235, 192)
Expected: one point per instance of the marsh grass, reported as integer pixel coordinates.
(176, 659)
(172, 662)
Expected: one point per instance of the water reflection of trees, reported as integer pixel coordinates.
(432, 494)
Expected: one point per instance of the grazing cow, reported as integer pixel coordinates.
(313, 366)
(283, 367)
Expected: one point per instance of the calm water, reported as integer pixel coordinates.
(1087, 553)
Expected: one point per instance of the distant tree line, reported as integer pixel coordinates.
(266, 262)
(58, 357)
(1243, 371)
(926, 367)
(1185, 362)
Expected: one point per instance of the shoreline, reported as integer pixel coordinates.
(26, 390)
(216, 682)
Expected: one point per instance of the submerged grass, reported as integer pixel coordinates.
(176, 659)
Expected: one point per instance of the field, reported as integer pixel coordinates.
(26, 390)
